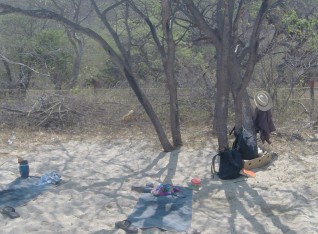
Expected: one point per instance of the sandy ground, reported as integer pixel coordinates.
(98, 172)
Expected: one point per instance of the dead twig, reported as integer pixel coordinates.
(48, 111)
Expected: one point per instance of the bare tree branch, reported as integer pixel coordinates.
(202, 24)
(2, 57)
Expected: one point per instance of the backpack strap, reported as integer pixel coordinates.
(238, 135)
(213, 165)
(233, 130)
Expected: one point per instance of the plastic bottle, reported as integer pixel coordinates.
(24, 169)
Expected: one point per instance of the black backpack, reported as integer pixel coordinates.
(245, 142)
(231, 164)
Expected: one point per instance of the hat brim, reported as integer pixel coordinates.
(262, 107)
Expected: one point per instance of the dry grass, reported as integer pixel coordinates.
(101, 115)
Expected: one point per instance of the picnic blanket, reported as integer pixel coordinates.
(171, 213)
(21, 191)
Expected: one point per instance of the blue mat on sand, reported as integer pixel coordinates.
(21, 191)
(171, 213)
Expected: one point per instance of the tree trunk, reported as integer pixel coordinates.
(149, 110)
(168, 64)
(75, 41)
(168, 61)
(243, 107)
(223, 85)
(78, 52)
(221, 107)
(240, 88)
(124, 65)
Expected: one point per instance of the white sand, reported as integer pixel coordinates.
(98, 174)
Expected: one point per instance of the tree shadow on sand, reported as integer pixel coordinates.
(21, 191)
(111, 185)
(238, 196)
(242, 203)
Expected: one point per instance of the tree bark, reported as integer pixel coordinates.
(75, 41)
(78, 53)
(168, 64)
(149, 110)
(168, 61)
(245, 110)
(240, 89)
(223, 79)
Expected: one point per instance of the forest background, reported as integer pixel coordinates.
(156, 67)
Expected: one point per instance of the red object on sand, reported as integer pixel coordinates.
(196, 181)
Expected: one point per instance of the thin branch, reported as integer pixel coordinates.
(237, 17)
(151, 27)
(253, 44)
(113, 6)
(202, 24)
(115, 36)
(2, 57)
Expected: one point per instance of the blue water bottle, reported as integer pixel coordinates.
(24, 169)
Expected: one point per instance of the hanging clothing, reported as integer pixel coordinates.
(264, 124)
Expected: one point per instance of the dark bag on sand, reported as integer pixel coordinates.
(231, 164)
(245, 142)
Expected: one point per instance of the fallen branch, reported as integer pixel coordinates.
(48, 110)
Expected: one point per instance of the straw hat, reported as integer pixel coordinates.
(263, 100)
